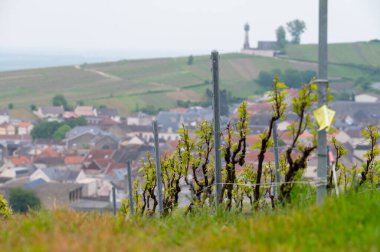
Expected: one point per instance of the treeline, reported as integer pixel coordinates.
(226, 99)
(293, 78)
(56, 130)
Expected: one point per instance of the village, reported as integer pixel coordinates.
(80, 170)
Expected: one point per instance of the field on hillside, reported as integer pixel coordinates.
(350, 223)
(129, 84)
(360, 53)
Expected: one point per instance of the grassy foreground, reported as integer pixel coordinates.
(351, 223)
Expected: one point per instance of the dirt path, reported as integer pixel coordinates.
(103, 74)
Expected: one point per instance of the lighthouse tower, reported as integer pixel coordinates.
(246, 40)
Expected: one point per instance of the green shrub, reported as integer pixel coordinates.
(22, 200)
(5, 211)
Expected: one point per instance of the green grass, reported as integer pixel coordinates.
(350, 223)
(136, 81)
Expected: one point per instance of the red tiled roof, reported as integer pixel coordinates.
(99, 154)
(72, 160)
(20, 160)
(24, 125)
(114, 166)
(50, 152)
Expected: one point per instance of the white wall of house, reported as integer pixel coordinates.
(25, 130)
(90, 186)
(4, 119)
(39, 174)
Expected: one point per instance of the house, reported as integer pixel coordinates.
(89, 137)
(50, 113)
(11, 173)
(140, 119)
(4, 116)
(45, 161)
(7, 129)
(98, 154)
(55, 174)
(124, 131)
(72, 160)
(58, 195)
(85, 111)
(132, 153)
(133, 141)
(24, 128)
(69, 115)
(79, 130)
(366, 98)
(105, 141)
(110, 113)
(93, 120)
(20, 160)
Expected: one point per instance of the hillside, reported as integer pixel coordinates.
(160, 82)
(360, 53)
(349, 223)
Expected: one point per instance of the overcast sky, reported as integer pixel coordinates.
(174, 25)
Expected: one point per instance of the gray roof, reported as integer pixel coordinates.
(80, 130)
(102, 136)
(49, 161)
(131, 153)
(34, 183)
(22, 171)
(60, 175)
(356, 109)
(195, 114)
(109, 112)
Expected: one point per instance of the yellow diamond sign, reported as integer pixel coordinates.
(324, 117)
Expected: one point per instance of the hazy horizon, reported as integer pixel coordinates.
(100, 30)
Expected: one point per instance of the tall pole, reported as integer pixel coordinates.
(158, 168)
(276, 158)
(322, 99)
(130, 191)
(216, 104)
(114, 199)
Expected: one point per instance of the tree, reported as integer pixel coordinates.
(277, 99)
(10, 106)
(293, 78)
(60, 133)
(296, 28)
(80, 121)
(33, 107)
(190, 60)
(45, 130)
(281, 37)
(308, 75)
(22, 200)
(371, 134)
(265, 78)
(60, 100)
